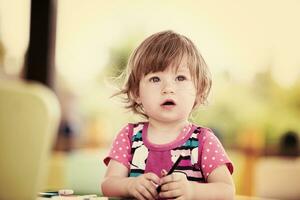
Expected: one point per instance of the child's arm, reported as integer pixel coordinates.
(220, 186)
(117, 184)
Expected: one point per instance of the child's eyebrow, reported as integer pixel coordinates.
(183, 70)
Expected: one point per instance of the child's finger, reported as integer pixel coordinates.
(170, 186)
(139, 196)
(147, 195)
(152, 177)
(180, 175)
(145, 192)
(151, 188)
(169, 178)
(170, 194)
(163, 172)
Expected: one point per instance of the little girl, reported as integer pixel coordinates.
(166, 79)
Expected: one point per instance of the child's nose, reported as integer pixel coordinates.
(168, 87)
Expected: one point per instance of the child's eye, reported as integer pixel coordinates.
(180, 78)
(154, 79)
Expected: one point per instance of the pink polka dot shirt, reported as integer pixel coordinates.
(201, 150)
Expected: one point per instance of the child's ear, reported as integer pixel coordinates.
(135, 97)
(138, 100)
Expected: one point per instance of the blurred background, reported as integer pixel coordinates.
(251, 48)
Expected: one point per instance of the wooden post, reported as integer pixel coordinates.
(40, 57)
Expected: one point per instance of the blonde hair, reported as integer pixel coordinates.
(158, 52)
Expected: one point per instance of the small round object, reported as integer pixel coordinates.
(65, 192)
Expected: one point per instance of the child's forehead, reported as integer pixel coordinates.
(180, 65)
(179, 68)
(173, 69)
(175, 66)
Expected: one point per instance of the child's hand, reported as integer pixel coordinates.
(144, 186)
(175, 186)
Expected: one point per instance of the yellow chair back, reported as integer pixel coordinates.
(29, 119)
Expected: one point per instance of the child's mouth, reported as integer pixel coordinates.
(169, 103)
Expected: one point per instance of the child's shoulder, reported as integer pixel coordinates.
(131, 125)
(202, 130)
(135, 127)
(136, 124)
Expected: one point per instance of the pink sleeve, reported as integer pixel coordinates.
(121, 147)
(212, 153)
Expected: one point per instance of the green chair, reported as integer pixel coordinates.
(29, 119)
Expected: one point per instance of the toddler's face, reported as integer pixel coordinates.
(168, 96)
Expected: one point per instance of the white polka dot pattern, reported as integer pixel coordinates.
(213, 153)
(212, 156)
(120, 150)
